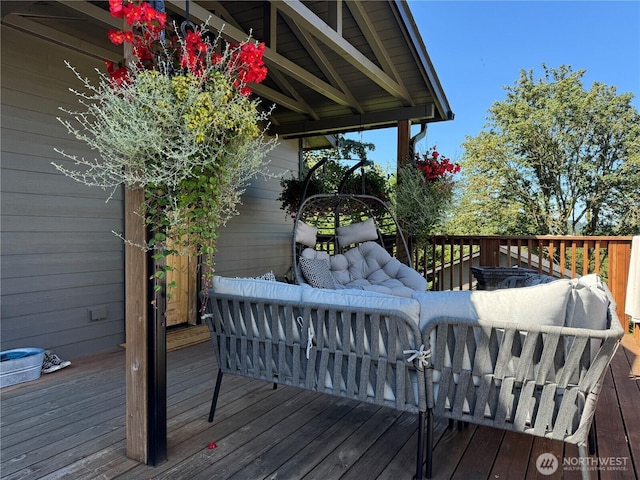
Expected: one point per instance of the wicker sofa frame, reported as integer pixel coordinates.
(350, 352)
(543, 380)
(536, 379)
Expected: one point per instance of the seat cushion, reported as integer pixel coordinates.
(370, 267)
(257, 288)
(365, 299)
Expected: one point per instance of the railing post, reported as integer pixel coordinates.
(489, 252)
(619, 260)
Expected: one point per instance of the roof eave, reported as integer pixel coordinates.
(442, 104)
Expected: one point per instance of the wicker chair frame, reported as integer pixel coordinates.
(539, 380)
(327, 212)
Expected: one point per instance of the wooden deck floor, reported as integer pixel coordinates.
(71, 425)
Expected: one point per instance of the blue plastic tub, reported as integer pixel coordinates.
(20, 365)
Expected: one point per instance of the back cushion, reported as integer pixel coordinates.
(306, 234)
(357, 232)
(540, 304)
(588, 303)
(250, 287)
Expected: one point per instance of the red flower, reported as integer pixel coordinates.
(116, 8)
(116, 36)
(118, 75)
(434, 166)
(133, 14)
(244, 66)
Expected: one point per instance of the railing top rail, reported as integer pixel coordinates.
(609, 238)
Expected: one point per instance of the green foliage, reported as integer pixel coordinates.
(420, 204)
(554, 158)
(192, 142)
(370, 180)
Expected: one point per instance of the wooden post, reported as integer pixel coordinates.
(136, 309)
(146, 348)
(404, 137)
(489, 252)
(619, 261)
(145, 337)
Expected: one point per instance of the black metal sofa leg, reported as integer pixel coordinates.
(429, 446)
(592, 438)
(216, 392)
(420, 450)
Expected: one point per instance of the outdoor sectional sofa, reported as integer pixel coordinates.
(529, 360)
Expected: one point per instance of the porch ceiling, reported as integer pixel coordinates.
(334, 66)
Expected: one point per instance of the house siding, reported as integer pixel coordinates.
(59, 257)
(258, 240)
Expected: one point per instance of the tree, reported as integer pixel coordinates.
(553, 158)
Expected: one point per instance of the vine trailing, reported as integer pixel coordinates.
(177, 120)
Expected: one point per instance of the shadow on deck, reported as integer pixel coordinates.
(71, 424)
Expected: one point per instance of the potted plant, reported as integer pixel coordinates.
(177, 120)
(369, 180)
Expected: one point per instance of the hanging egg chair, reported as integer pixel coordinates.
(358, 237)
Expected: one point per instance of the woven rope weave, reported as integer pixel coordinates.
(354, 353)
(534, 379)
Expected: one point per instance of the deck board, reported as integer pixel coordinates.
(71, 425)
(513, 456)
(479, 457)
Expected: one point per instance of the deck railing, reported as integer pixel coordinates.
(447, 260)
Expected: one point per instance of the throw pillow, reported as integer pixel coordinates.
(306, 234)
(317, 273)
(270, 276)
(357, 232)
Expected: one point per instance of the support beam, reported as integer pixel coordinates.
(146, 347)
(145, 337)
(404, 140)
(308, 20)
(353, 122)
(271, 57)
(335, 16)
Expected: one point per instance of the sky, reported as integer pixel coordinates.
(479, 47)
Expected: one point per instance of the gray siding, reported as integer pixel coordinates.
(259, 239)
(58, 255)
